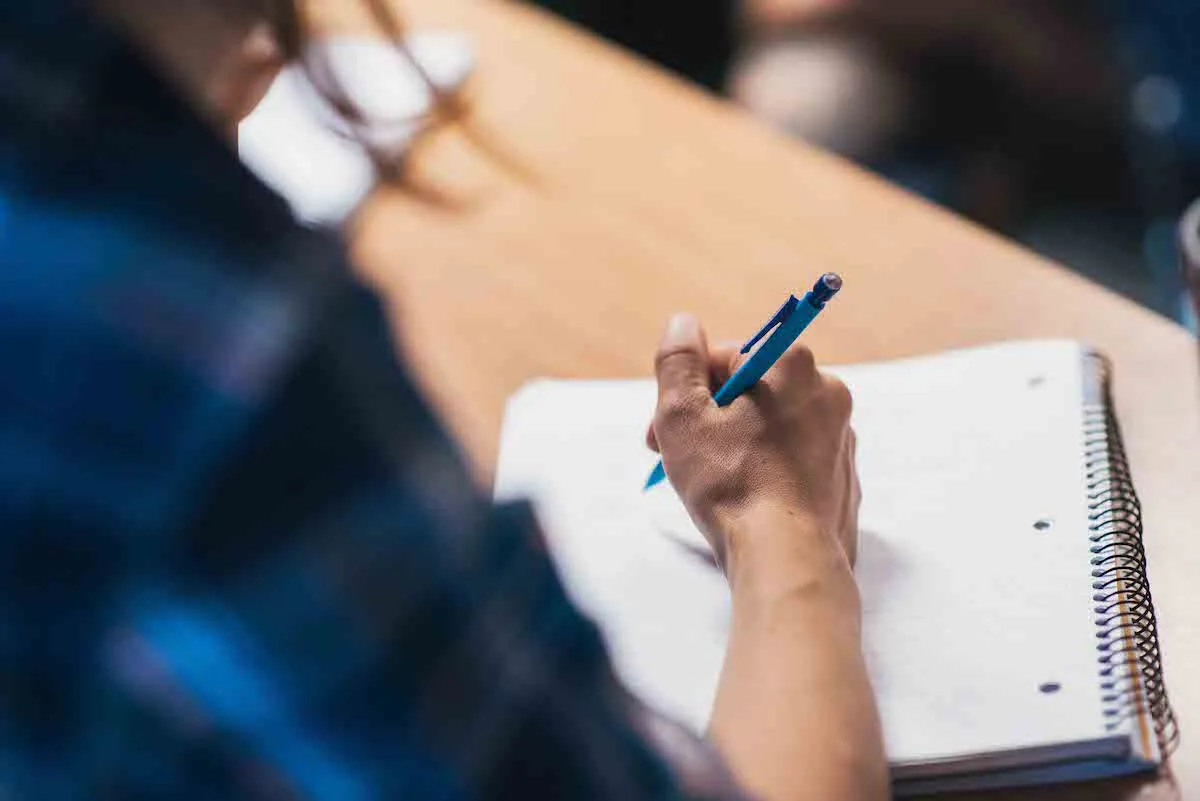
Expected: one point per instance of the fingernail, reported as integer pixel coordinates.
(682, 329)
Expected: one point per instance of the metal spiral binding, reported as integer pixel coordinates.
(1131, 672)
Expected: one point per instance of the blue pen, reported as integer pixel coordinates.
(789, 322)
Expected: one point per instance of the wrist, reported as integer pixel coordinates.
(776, 552)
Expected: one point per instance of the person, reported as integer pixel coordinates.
(239, 558)
(993, 107)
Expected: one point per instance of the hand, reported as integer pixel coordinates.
(770, 480)
(784, 451)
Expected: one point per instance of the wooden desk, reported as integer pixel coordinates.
(634, 196)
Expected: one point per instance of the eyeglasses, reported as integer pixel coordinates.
(387, 95)
(349, 114)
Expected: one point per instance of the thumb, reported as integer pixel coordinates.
(682, 361)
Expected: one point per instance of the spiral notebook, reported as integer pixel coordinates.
(1008, 624)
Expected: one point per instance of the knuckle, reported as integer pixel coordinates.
(675, 408)
(840, 397)
(800, 359)
(671, 354)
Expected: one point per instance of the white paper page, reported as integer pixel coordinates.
(665, 613)
(969, 607)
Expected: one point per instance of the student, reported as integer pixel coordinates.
(238, 556)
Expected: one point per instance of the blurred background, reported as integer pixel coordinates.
(1072, 126)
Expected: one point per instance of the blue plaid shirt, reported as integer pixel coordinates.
(238, 556)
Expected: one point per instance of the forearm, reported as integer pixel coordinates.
(795, 715)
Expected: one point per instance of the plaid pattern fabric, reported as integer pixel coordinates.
(238, 557)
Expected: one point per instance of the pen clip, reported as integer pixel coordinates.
(785, 311)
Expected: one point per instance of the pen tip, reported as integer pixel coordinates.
(832, 281)
(656, 477)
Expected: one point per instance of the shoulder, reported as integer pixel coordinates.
(153, 297)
